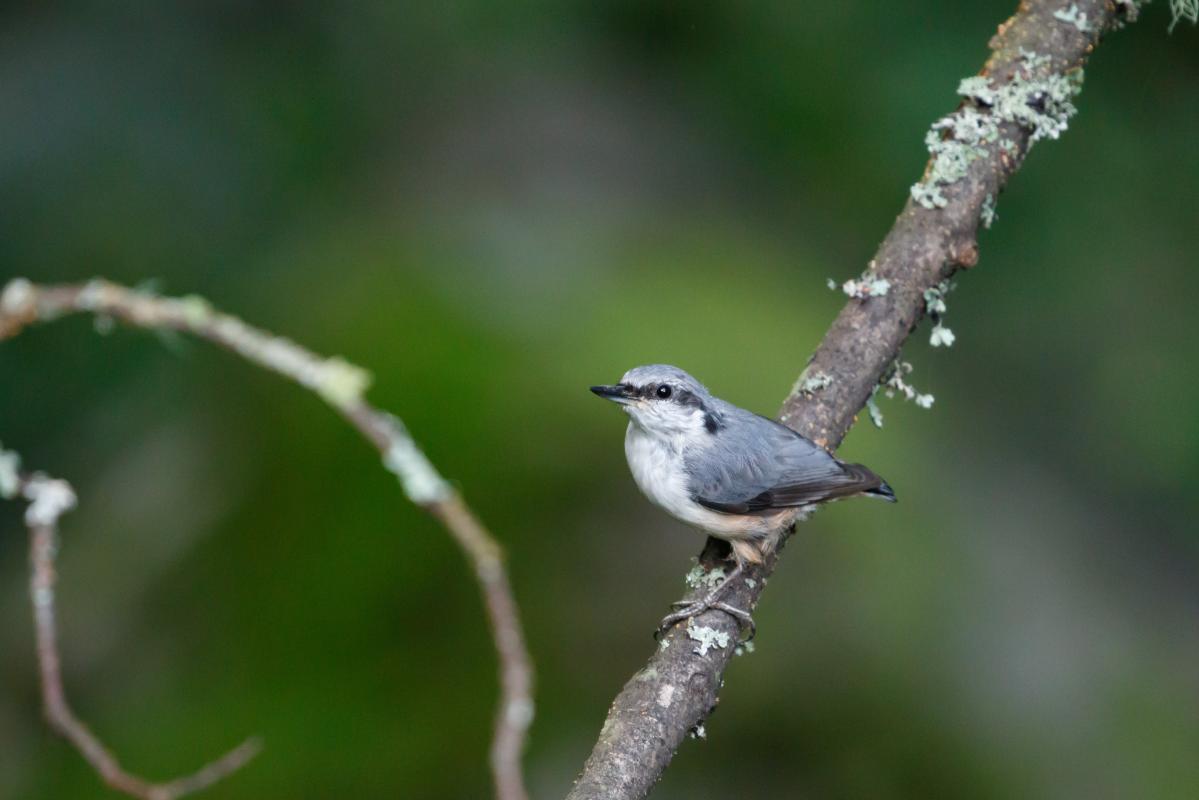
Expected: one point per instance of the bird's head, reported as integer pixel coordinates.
(664, 401)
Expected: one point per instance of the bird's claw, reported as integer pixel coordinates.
(689, 610)
(693, 608)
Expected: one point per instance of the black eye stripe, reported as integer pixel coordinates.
(684, 397)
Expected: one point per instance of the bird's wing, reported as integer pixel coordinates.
(755, 464)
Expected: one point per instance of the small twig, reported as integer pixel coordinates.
(48, 500)
(342, 385)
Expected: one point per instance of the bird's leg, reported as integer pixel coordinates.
(689, 609)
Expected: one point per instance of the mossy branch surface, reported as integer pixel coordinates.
(1021, 95)
(343, 386)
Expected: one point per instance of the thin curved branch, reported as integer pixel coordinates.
(1021, 95)
(342, 386)
(49, 499)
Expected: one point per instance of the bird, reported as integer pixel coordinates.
(731, 473)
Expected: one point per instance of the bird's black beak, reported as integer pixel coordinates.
(620, 393)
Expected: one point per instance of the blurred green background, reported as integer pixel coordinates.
(493, 206)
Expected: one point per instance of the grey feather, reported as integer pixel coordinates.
(757, 464)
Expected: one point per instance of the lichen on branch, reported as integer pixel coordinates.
(1035, 98)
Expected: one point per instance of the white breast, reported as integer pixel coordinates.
(658, 470)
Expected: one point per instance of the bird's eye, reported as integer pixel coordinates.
(663, 391)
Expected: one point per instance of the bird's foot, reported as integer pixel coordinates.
(690, 609)
(693, 608)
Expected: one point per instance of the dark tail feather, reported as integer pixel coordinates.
(883, 491)
(870, 483)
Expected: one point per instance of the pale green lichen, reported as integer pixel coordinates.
(195, 310)
(706, 637)
(810, 382)
(341, 383)
(10, 476)
(934, 298)
(18, 296)
(894, 382)
(1042, 105)
(93, 295)
(954, 142)
(418, 477)
(935, 307)
(1034, 98)
(1073, 16)
(698, 732)
(866, 286)
(986, 213)
(519, 713)
(49, 499)
(941, 336)
(700, 578)
(928, 194)
(750, 582)
(876, 413)
(743, 648)
(978, 87)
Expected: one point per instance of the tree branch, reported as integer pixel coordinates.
(49, 499)
(342, 386)
(1021, 95)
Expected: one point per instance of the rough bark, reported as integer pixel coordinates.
(678, 688)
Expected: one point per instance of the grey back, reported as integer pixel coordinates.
(754, 464)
